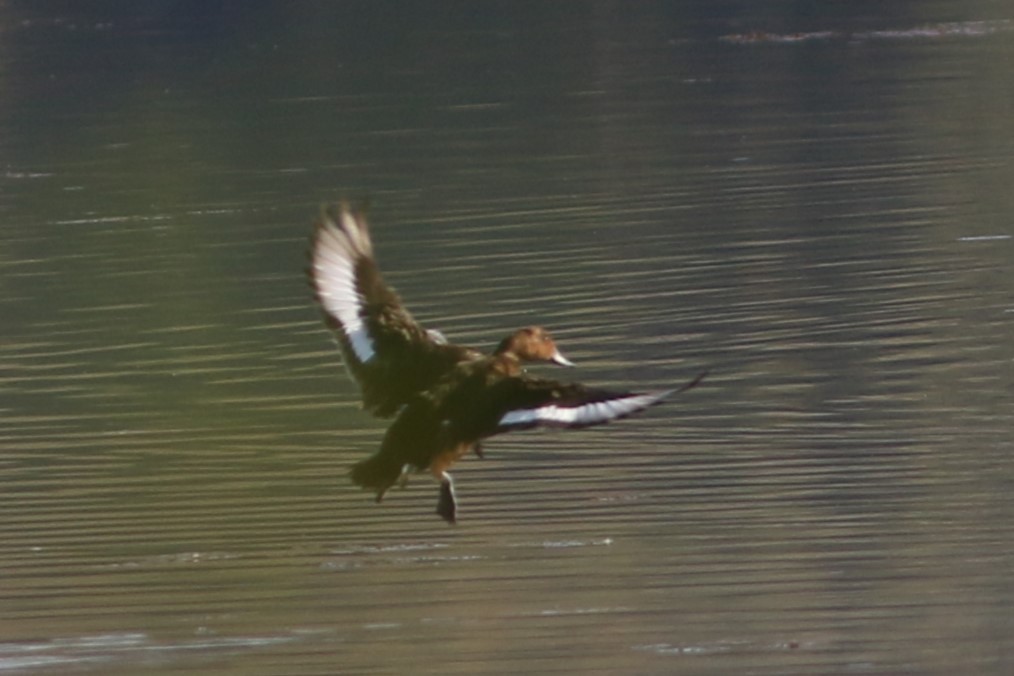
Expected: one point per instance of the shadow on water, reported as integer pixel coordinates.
(816, 208)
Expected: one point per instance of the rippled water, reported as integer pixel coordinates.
(815, 208)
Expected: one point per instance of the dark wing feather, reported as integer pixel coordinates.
(389, 354)
(545, 403)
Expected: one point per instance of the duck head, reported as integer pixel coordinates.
(532, 343)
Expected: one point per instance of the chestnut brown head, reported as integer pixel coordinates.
(532, 343)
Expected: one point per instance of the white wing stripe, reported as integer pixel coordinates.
(582, 414)
(336, 283)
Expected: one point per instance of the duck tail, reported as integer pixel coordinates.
(378, 472)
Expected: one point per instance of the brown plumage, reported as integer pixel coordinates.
(448, 398)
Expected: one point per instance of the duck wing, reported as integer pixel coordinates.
(387, 352)
(524, 403)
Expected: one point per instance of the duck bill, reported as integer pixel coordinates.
(558, 358)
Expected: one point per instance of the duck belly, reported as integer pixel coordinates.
(443, 459)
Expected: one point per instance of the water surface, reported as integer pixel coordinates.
(815, 208)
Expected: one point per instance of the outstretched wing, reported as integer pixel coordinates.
(388, 353)
(348, 284)
(545, 403)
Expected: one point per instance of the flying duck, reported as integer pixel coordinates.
(446, 398)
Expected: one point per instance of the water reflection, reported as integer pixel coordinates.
(823, 223)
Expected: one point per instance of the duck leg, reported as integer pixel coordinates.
(447, 506)
(401, 482)
(406, 470)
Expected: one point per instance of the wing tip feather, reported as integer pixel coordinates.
(591, 412)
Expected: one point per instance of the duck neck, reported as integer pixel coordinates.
(507, 363)
(504, 347)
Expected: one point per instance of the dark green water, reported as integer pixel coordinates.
(815, 206)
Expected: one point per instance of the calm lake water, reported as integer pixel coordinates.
(817, 206)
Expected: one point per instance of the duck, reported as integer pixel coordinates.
(446, 399)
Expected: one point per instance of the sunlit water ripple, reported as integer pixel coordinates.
(834, 498)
